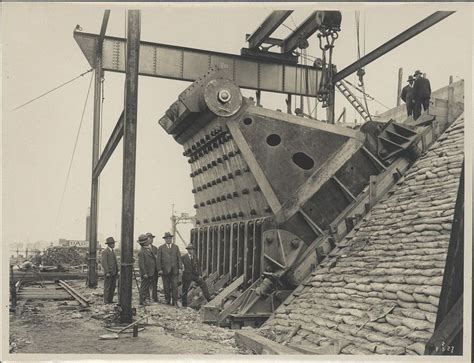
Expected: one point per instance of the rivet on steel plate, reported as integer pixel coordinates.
(295, 243)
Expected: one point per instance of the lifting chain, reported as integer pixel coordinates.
(327, 37)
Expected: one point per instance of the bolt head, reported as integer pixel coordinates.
(224, 96)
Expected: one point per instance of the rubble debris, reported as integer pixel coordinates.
(17, 343)
(72, 256)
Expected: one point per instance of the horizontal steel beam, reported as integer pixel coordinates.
(114, 140)
(392, 43)
(188, 64)
(269, 25)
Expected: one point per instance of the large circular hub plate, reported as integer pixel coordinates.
(222, 97)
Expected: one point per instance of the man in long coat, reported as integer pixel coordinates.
(169, 264)
(407, 95)
(154, 279)
(110, 267)
(147, 266)
(192, 272)
(421, 94)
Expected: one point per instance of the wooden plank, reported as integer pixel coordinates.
(210, 312)
(331, 349)
(261, 345)
(28, 276)
(45, 297)
(237, 302)
(212, 290)
(305, 349)
(219, 299)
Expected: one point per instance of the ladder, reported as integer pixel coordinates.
(353, 100)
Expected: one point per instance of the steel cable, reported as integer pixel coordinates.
(73, 153)
(54, 89)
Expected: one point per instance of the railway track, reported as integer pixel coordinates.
(47, 290)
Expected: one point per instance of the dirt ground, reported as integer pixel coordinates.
(59, 327)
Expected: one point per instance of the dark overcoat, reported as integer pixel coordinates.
(192, 267)
(169, 259)
(109, 262)
(146, 262)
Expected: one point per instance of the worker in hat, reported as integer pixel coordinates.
(169, 264)
(421, 94)
(154, 279)
(192, 272)
(110, 268)
(407, 95)
(147, 266)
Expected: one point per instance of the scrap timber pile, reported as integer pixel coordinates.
(72, 256)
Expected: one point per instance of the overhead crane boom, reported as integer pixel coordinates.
(189, 64)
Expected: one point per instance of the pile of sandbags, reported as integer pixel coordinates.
(72, 256)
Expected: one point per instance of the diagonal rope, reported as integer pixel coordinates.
(361, 79)
(73, 152)
(287, 27)
(366, 94)
(54, 89)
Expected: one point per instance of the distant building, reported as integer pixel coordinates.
(73, 243)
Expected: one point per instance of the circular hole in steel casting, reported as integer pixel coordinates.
(303, 161)
(273, 140)
(247, 121)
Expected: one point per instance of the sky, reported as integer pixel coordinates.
(39, 53)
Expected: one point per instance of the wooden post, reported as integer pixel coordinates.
(258, 95)
(129, 165)
(288, 103)
(94, 206)
(399, 88)
(331, 104)
(450, 100)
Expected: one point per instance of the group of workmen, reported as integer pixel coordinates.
(165, 261)
(416, 94)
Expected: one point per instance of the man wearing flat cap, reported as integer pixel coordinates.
(192, 272)
(421, 94)
(169, 264)
(407, 95)
(147, 266)
(154, 279)
(110, 267)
